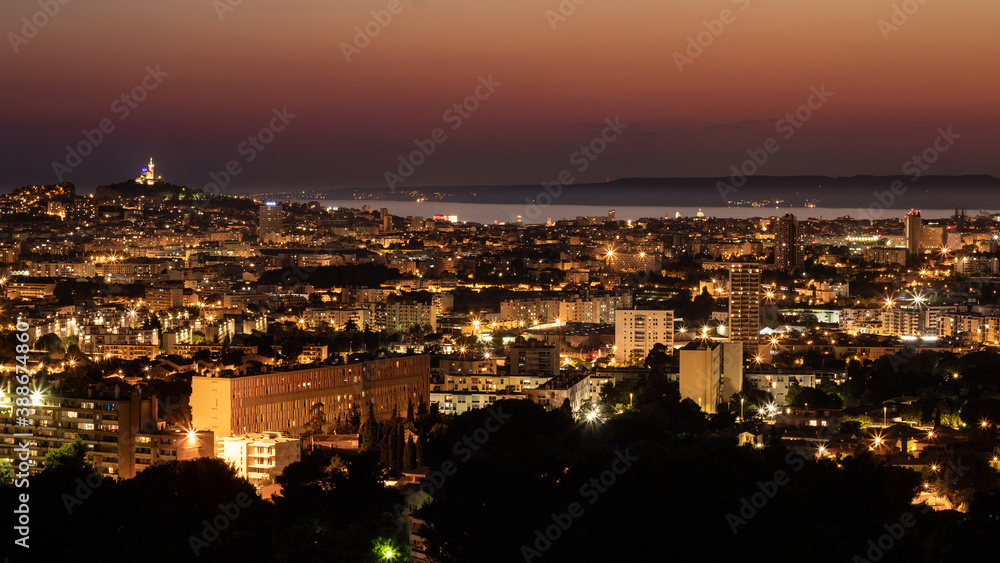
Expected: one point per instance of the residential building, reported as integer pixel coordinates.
(122, 433)
(258, 457)
(636, 332)
(744, 305)
(777, 384)
(401, 316)
(885, 255)
(532, 359)
(711, 372)
(788, 253)
(271, 219)
(911, 231)
(62, 269)
(283, 400)
(574, 387)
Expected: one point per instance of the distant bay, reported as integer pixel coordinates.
(539, 214)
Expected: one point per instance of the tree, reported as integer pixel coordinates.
(72, 455)
(409, 455)
(409, 410)
(658, 358)
(398, 447)
(351, 326)
(368, 437)
(317, 419)
(421, 447)
(701, 308)
(291, 349)
(354, 419)
(6, 473)
(49, 343)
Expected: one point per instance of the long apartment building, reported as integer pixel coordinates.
(122, 433)
(62, 269)
(580, 310)
(282, 400)
(119, 342)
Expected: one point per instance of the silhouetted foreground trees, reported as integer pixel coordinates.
(201, 511)
(513, 482)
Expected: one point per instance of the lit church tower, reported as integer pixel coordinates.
(147, 176)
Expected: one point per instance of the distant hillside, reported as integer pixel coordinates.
(167, 192)
(930, 192)
(160, 190)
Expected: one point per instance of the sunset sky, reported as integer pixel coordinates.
(609, 58)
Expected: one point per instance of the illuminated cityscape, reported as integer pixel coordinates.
(429, 281)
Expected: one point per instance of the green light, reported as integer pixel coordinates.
(385, 551)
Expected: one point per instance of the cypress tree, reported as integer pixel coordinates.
(421, 447)
(409, 455)
(397, 450)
